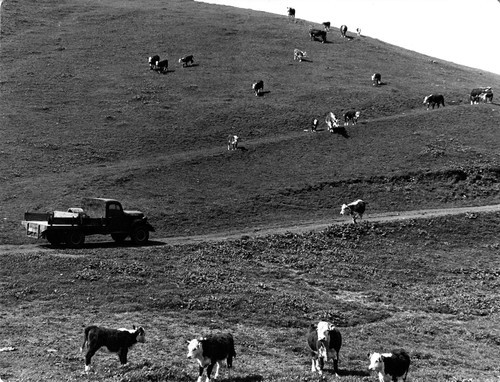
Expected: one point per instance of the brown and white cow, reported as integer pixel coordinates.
(351, 115)
(355, 209)
(186, 60)
(390, 365)
(232, 142)
(325, 341)
(210, 351)
(433, 100)
(258, 87)
(343, 31)
(332, 122)
(115, 340)
(376, 79)
(299, 55)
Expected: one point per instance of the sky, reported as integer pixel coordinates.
(466, 32)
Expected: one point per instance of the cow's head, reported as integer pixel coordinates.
(376, 362)
(426, 99)
(141, 334)
(345, 209)
(357, 114)
(195, 348)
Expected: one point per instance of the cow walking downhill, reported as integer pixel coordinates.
(210, 351)
(390, 365)
(325, 341)
(355, 209)
(115, 340)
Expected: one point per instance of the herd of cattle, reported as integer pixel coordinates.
(324, 340)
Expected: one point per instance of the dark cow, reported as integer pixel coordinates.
(434, 99)
(481, 94)
(376, 79)
(343, 30)
(116, 340)
(291, 12)
(317, 34)
(393, 365)
(152, 61)
(186, 60)
(258, 87)
(210, 351)
(161, 66)
(327, 25)
(355, 209)
(323, 339)
(351, 116)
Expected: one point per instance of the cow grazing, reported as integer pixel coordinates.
(486, 96)
(332, 122)
(358, 31)
(291, 12)
(152, 61)
(327, 25)
(258, 87)
(299, 55)
(317, 34)
(351, 116)
(210, 351)
(355, 209)
(481, 94)
(115, 340)
(376, 79)
(323, 339)
(343, 30)
(390, 365)
(161, 66)
(433, 100)
(186, 60)
(232, 142)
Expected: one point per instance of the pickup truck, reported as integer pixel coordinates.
(96, 216)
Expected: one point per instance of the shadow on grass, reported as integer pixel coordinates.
(356, 373)
(107, 244)
(248, 378)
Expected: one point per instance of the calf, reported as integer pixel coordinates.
(327, 24)
(186, 60)
(232, 142)
(332, 122)
(258, 87)
(390, 365)
(343, 30)
(317, 34)
(210, 351)
(152, 61)
(115, 340)
(351, 116)
(322, 339)
(376, 79)
(434, 99)
(299, 55)
(161, 66)
(355, 209)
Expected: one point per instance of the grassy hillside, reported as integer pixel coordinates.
(82, 115)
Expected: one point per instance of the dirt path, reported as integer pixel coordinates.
(260, 231)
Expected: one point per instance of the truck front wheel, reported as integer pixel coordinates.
(75, 239)
(140, 235)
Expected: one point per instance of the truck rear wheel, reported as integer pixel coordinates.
(75, 239)
(140, 235)
(119, 237)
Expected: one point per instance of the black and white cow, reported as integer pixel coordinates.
(324, 339)
(299, 55)
(115, 340)
(358, 31)
(376, 79)
(210, 351)
(258, 87)
(390, 365)
(343, 30)
(186, 60)
(355, 209)
(317, 34)
(232, 142)
(433, 100)
(161, 66)
(332, 122)
(291, 12)
(152, 61)
(485, 97)
(351, 115)
(314, 125)
(481, 94)
(327, 25)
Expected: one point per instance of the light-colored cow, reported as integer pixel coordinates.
(299, 55)
(355, 209)
(324, 339)
(232, 142)
(332, 122)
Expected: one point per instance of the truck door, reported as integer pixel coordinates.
(115, 217)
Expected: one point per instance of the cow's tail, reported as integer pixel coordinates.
(85, 338)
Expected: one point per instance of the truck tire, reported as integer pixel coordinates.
(140, 235)
(75, 239)
(54, 238)
(119, 237)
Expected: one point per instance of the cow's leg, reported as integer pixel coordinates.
(209, 370)
(200, 373)
(217, 368)
(122, 354)
(313, 365)
(88, 357)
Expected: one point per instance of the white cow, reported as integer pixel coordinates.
(299, 55)
(232, 142)
(332, 121)
(355, 209)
